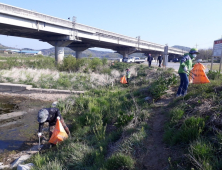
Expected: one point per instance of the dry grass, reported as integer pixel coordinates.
(17, 74)
(215, 66)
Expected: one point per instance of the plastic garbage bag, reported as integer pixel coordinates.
(59, 134)
(123, 80)
(197, 74)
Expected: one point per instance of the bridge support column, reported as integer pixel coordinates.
(126, 51)
(59, 54)
(79, 48)
(59, 49)
(78, 51)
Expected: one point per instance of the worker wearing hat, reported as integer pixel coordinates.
(50, 115)
(185, 68)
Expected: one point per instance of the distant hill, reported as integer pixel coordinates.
(89, 53)
(182, 47)
(86, 53)
(2, 46)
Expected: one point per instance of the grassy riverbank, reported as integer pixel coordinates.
(194, 126)
(114, 126)
(72, 74)
(108, 123)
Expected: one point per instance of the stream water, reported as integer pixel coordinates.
(14, 133)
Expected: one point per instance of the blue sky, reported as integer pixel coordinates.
(172, 22)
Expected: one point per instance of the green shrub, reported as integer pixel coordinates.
(95, 63)
(201, 154)
(123, 119)
(159, 86)
(134, 142)
(202, 150)
(99, 130)
(214, 75)
(64, 81)
(120, 66)
(104, 61)
(176, 114)
(51, 165)
(119, 162)
(106, 71)
(190, 130)
(39, 160)
(71, 64)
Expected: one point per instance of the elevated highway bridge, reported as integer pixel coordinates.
(62, 33)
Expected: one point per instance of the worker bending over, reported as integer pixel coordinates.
(50, 115)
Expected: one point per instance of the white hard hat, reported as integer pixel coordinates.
(54, 104)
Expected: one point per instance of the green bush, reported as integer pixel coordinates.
(201, 154)
(51, 165)
(39, 160)
(159, 86)
(120, 66)
(119, 162)
(123, 119)
(176, 114)
(95, 63)
(104, 61)
(214, 75)
(202, 150)
(71, 64)
(106, 71)
(190, 130)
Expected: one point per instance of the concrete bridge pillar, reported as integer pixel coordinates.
(59, 54)
(79, 48)
(59, 49)
(78, 51)
(126, 51)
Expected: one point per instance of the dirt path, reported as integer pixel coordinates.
(158, 152)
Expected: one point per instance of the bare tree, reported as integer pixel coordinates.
(205, 54)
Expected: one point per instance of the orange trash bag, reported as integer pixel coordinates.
(123, 80)
(197, 75)
(59, 133)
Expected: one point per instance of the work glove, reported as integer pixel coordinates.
(185, 69)
(39, 134)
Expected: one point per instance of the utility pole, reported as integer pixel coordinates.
(138, 41)
(196, 45)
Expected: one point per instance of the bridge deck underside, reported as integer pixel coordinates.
(108, 45)
(24, 32)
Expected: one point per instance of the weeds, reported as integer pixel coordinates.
(119, 161)
(214, 75)
(99, 130)
(190, 130)
(123, 119)
(193, 125)
(159, 86)
(103, 116)
(120, 66)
